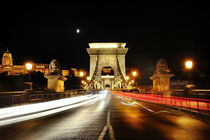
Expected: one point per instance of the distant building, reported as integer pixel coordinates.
(8, 67)
(65, 72)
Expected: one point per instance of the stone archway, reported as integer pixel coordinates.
(107, 65)
(107, 70)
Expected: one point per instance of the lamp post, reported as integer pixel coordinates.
(29, 67)
(188, 66)
(134, 75)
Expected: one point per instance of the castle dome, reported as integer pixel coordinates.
(7, 59)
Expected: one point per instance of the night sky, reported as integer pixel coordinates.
(41, 31)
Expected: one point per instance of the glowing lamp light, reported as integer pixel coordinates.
(29, 66)
(88, 78)
(189, 64)
(134, 73)
(81, 74)
(127, 77)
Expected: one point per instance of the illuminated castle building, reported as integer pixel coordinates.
(8, 67)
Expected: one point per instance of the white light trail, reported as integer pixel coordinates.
(26, 112)
(131, 104)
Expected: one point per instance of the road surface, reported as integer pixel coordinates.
(111, 118)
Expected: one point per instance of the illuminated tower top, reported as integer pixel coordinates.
(107, 45)
(7, 59)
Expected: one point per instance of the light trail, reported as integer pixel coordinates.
(27, 112)
(193, 103)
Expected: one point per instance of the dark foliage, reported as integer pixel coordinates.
(72, 83)
(17, 82)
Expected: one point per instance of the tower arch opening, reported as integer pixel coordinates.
(107, 70)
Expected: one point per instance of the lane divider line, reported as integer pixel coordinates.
(111, 131)
(101, 137)
(108, 127)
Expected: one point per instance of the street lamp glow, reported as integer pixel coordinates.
(81, 74)
(134, 73)
(188, 64)
(29, 66)
(88, 78)
(127, 77)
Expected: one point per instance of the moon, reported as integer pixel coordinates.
(77, 30)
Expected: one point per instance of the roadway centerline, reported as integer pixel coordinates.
(108, 127)
(103, 133)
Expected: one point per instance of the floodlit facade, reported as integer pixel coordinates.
(107, 65)
(8, 67)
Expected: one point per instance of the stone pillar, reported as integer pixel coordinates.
(161, 83)
(55, 82)
(161, 78)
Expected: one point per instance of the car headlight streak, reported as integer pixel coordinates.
(31, 111)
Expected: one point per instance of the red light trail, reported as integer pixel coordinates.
(191, 103)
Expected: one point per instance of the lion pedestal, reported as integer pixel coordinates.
(55, 81)
(161, 78)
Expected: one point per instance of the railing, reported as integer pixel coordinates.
(190, 103)
(14, 98)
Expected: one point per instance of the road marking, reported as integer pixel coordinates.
(111, 131)
(130, 104)
(161, 111)
(145, 107)
(109, 127)
(103, 133)
(164, 111)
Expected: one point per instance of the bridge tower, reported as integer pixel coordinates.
(107, 66)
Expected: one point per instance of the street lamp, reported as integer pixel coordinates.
(29, 66)
(189, 64)
(127, 78)
(134, 73)
(81, 74)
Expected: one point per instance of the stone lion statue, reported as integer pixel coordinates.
(161, 67)
(54, 67)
